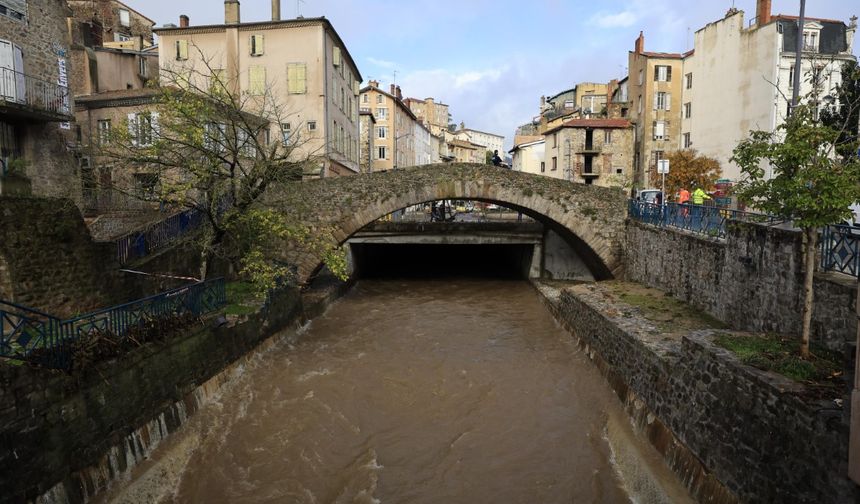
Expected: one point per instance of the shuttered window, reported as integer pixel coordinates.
(335, 57)
(256, 45)
(297, 78)
(181, 50)
(15, 9)
(257, 80)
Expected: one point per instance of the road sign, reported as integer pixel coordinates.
(663, 167)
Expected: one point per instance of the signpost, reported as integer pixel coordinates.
(663, 169)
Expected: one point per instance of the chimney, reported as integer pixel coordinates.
(276, 10)
(762, 12)
(640, 43)
(373, 84)
(399, 94)
(393, 90)
(183, 21)
(231, 12)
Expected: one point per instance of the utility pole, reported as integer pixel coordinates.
(798, 56)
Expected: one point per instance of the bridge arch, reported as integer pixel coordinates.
(590, 218)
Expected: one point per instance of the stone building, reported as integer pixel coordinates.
(395, 127)
(591, 151)
(740, 77)
(367, 130)
(618, 106)
(111, 23)
(654, 87)
(434, 115)
(35, 102)
(300, 67)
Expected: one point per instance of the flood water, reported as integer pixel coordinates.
(456, 391)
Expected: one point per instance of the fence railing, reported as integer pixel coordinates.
(41, 338)
(25, 90)
(142, 243)
(700, 219)
(840, 250)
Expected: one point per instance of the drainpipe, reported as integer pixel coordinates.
(854, 443)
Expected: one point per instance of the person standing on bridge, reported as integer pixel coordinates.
(497, 161)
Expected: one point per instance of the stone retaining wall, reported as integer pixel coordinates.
(753, 280)
(727, 429)
(68, 436)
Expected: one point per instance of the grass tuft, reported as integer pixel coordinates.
(781, 355)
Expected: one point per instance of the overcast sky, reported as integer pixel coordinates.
(491, 60)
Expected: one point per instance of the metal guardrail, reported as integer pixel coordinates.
(840, 250)
(28, 91)
(700, 219)
(142, 243)
(38, 337)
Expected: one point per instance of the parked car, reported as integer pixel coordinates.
(647, 195)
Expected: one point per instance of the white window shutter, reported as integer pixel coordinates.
(336, 56)
(668, 101)
(655, 100)
(132, 128)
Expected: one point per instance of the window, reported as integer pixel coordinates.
(215, 137)
(641, 77)
(554, 140)
(791, 77)
(217, 82)
(342, 99)
(297, 78)
(588, 165)
(142, 67)
(382, 132)
(256, 45)
(286, 133)
(554, 163)
(639, 106)
(124, 18)
(121, 37)
(380, 99)
(689, 80)
(145, 184)
(810, 40)
(15, 9)
(659, 130)
(181, 50)
(542, 167)
(335, 56)
(245, 143)
(662, 73)
(257, 80)
(662, 100)
(381, 152)
(141, 126)
(381, 113)
(568, 104)
(607, 136)
(104, 129)
(687, 141)
(658, 155)
(688, 110)
(365, 98)
(312, 125)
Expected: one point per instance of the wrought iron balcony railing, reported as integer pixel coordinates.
(840, 250)
(26, 94)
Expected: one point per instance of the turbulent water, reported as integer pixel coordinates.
(459, 391)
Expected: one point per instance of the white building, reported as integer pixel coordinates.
(528, 157)
(423, 146)
(739, 78)
(489, 140)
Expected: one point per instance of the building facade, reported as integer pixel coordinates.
(434, 115)
(299, 65)
(528, 155)
(591, 151)
(367, 128)
(36, 105)
(740, 77)
(491, 142)
(395, 138)
(654, 87)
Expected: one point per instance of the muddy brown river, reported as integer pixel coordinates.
(455, 391)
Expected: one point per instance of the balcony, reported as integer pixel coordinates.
(26, 97)
(589, 148)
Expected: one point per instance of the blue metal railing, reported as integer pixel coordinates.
(142, 243)
(38, 337)
(700, 219)
(840, 250)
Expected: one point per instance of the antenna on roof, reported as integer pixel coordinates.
(395, 78)
(298, 8)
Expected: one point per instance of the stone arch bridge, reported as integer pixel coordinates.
(590, 218)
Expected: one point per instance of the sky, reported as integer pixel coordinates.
(491, 60)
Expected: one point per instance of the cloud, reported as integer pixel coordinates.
(620, 20)
(380, 62)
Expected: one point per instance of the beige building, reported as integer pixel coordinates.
(301, 64)
(591, 151)
(528, 154)
(367, 128)
(394, 142)
(463, 151)
(434, 115)
(741, 74)
(654, 87)
(35, 102)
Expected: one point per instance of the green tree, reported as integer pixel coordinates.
(227, 155)
(488, 157)
(688, 169)
(810, 185)
(842, 112)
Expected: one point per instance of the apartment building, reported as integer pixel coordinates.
(654, 88)
(434, 115)
(528, 154)
(590, 151)
(302, 65)
(741, 76)
(490, 141)
(396, 139)
(35, 102)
